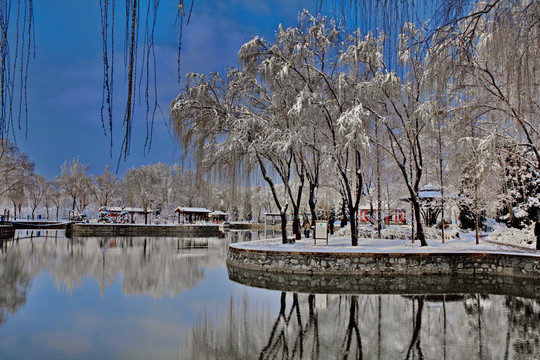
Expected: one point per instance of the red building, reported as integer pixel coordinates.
(392, 216)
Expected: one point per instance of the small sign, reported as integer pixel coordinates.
(321, 231)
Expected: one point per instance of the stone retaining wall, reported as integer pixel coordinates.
(84, 230)
(7, 231)
(307, 262)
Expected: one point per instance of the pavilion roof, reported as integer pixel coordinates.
(192, 210)
(429, 191)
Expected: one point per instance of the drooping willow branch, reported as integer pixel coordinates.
(389, 16)
(14, 63)
(108, 65)
(132, 37)
(140, 76)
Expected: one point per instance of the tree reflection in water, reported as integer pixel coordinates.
(19, 264)
(289, 336)
(331, 326)
(147, 265)
(301, 318)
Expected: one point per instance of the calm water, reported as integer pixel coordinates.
(171, 298)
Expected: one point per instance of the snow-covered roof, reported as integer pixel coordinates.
(374, 207)
(217, 213)
(429, 191)
(119, 209)
(192, 210)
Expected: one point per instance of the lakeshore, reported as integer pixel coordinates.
(386, 257)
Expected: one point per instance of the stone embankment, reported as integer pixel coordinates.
(85, 230)
(383, 264)
(7, 231)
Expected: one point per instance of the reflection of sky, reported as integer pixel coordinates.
(71, 315)
(57, 322)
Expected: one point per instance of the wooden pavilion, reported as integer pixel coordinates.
(191, 215)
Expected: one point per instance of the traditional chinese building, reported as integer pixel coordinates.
(191, 215)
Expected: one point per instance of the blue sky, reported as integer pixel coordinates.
(65, 78)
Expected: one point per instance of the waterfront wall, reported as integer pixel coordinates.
(85, 230)
(379, 264)
(7, 231)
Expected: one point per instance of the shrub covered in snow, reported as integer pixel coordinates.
(501, 233)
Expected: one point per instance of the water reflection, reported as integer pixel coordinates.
(146, 265)
(147, 297)
(327, 326)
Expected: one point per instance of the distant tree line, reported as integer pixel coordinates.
(156, 187)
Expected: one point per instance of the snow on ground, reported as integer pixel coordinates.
(396, 239)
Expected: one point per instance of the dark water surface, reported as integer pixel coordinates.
(171, 298)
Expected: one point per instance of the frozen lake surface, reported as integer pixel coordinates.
(171, 298)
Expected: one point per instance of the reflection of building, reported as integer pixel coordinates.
(192, 214)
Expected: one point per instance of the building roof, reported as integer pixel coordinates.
(119, 209)
(192, 210)
(218, 213)
(429, 191)
(272, 214)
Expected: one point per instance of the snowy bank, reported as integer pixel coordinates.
(459, 255)
(506, 241)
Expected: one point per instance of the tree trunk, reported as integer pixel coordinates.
(312, 201)
(282, 211)
(344, 218)
(419, 227)
(283, 217)
(378, 170)
(354, 225)
(412, 223)
(296, 227)
(476, 221)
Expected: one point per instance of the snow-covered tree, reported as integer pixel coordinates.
(187, 190)
(37, 192)
(292, 106)
(106, 188)
(75, 182)
(494, 66)
(477, 185)
(404, 107)
(148, 187)
(15, 169)
(519, 199)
